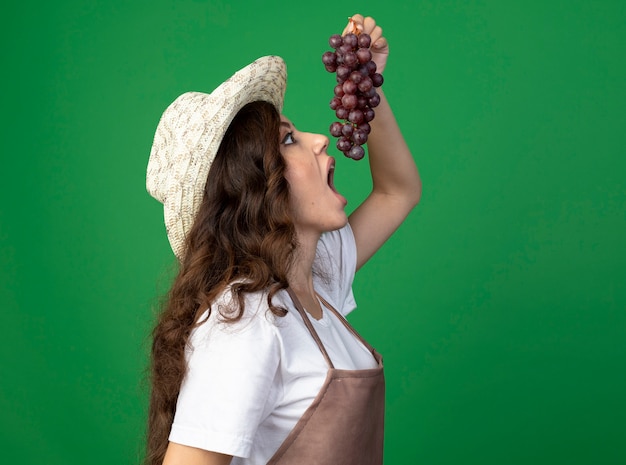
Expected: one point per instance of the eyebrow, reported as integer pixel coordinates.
(285, 124)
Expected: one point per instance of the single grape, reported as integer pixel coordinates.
(344, 144)
(371, 67)
(347, 129)
(345, 48)
(359, 137)
(364, 40)
(374, 101)
(364, 55)
(349, 87)
(370, 93)
(369, 115)
(377, 79)
(350, 59)
(335, 41)
(349, 101)
(355, 77)
(329, 58)
(365, 84)
(331, 68)
(351, 40)
(339, 90)
(362, 102)
(343, 72)
(356, 116)
(335, 129)
(366, 126)
(341, 113)
(335, 103)
(356, 152)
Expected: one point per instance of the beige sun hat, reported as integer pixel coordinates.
(189, 134)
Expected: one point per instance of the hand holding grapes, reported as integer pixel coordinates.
(379, 46)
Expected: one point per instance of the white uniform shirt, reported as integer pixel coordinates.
(249, 382)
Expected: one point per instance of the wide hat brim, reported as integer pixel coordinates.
(190, 132)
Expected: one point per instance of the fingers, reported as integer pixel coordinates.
(375, 32)
(379, 44)
(369, 24)
(357, 24)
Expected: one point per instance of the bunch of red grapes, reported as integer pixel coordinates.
(355, 93)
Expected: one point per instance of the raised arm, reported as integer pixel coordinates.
(396, 185)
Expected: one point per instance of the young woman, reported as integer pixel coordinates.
(252, 359)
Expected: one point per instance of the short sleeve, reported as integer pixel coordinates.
(228, 389)
(335, 268)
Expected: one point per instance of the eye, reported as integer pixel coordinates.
(288, 139)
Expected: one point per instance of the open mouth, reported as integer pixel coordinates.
(331, 175)
(331, 181)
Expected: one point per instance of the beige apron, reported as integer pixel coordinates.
(344, 424)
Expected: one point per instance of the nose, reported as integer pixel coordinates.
(320, 144)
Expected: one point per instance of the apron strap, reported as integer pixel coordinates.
(309, 326)
(345, 322)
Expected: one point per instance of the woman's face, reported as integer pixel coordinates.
(316, 205)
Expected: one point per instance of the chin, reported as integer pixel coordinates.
(338, 224)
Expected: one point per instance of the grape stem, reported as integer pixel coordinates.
(355, 28)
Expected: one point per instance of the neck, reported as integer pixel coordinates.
(301, 273)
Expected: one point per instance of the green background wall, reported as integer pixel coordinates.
(500, 306)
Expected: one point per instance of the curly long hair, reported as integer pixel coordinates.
(243, 230)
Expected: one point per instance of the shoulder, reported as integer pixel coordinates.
(219, 325)
(232, 377)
